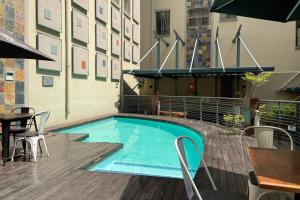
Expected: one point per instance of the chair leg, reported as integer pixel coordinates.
(40, 147)
(33, 142)
(14, 151)
(44, 140)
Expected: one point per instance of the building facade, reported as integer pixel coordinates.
(91, 42)
(271, 44)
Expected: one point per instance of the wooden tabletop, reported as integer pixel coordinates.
(13, 116)
(276, 169)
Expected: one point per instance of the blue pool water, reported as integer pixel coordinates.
(148, 146)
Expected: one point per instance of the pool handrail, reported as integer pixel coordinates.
(190, 186)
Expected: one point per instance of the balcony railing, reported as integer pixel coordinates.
(284, 114)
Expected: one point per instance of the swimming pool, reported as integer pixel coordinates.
(148, 146)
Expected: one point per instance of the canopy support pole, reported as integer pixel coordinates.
(218, 51)
(196, 47)
(237, 40)
(178, 39)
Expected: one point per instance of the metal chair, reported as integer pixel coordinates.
(20, 127)
(191, 189)
(264, 139)
(33, 137)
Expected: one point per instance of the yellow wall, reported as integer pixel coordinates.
(87, 97)
(148, 25)
(271, 43)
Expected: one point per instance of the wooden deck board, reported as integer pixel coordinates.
(59, 177)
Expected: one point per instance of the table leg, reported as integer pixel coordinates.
(5, 140)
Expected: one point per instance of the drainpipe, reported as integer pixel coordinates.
(121, 94)
(67, 64)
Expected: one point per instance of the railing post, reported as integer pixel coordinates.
(200, 109)
(170, 107)
(184, 103)
(217, 112)
(138, 104)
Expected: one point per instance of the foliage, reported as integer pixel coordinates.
(274, 110)
(235, 120)
(256, 80)
(140, 83)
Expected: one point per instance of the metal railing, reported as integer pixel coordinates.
(209, 109)
(283, 114)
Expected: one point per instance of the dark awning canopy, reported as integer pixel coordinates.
(196, 72)
(274, 10)
(13, 48)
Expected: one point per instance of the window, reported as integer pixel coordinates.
(163, 22)
(227, 17)
(298, 34)
(127, 6)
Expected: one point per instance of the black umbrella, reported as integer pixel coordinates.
(274, 10)
(12, 48)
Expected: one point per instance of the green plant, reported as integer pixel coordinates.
(274, 110)
(236, 120)
(256, 80)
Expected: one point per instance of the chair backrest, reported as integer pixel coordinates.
(43, 118)
(190, 186)
(264, 138)
(23, 110)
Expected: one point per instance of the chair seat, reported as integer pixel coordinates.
(216, 195)
(252, 178)
(28, 134)
(17, 130)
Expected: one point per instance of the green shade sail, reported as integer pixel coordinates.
(273, 10)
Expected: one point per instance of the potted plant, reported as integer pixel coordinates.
(234, 122)
(254, 81)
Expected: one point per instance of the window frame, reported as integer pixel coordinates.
(169, 31)
(221, 19)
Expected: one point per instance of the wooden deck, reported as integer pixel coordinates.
(60, 176)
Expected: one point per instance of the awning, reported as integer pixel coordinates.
(276, 10)
(12, 48)
(196, 72)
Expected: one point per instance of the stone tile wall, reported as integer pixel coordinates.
(12, 22)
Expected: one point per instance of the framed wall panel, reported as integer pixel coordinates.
(80, 60)
(115, 18)
(115, 44)
(80, 27)
(101, 66)
(136, 10)
(136, 54)
(127, 50)
(49, 14)
(115, 69)
(136, 33)
(82, 3)
(52, 47)
(102, 10)
(101, 37)
(127, 28)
